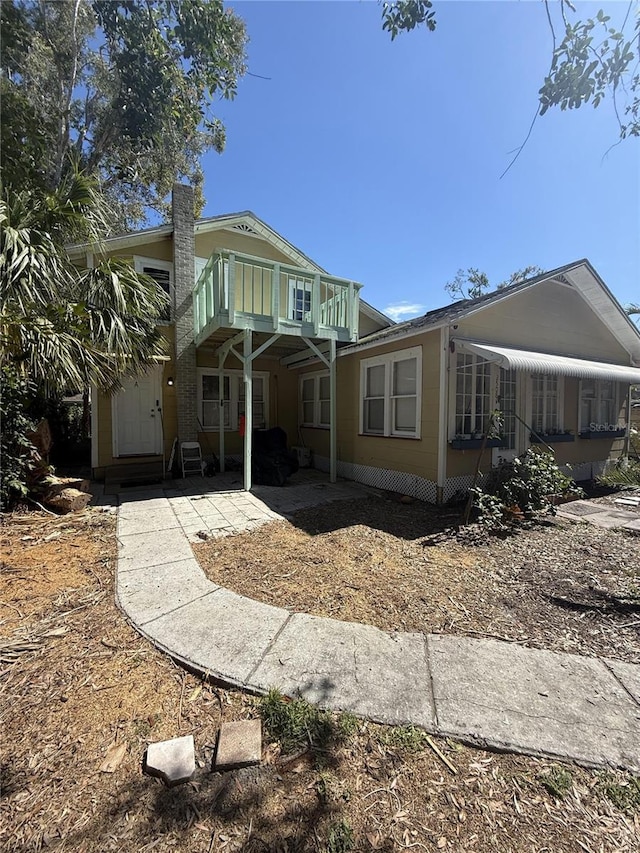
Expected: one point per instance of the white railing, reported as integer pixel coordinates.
(233, 286)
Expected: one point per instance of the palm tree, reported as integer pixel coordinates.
(61, 326)
(633, 309)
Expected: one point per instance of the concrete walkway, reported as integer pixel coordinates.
(483, 692)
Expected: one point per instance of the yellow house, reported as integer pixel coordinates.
(259, 333)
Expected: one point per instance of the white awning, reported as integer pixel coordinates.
(541, 362)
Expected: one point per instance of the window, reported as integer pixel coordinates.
(162, 273)
(598, 404)
(234, 399)
(478, 389)
(545, 403)
(315, 400)
(473, 395)
(299, 299)
(390, 392)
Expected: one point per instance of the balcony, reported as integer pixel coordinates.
(238, 291)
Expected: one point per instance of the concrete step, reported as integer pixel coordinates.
(135, 474)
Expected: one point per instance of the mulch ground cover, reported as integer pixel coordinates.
(554, 585)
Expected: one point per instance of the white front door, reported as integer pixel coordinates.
(137, 422)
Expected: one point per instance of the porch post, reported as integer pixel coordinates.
(221, 360)
(333, 439)
(248, 408)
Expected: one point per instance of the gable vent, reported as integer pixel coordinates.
(246, 229)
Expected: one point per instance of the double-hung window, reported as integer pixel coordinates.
(162, 273)
(390, 394)
(546, 393)
(233, 399)
(315, 400)
(599, 408)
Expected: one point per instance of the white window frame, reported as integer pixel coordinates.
(236, 379)
(140, 262)
(522, 400)
(494, 380)
(316, 378)
(582, 427)
(304, 286)
(559, 402)
(388, 360)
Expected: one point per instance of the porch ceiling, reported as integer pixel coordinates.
(286, 345)
(541, 362)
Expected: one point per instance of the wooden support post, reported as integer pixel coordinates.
(275, 295)
(221, 360)
(333, 436)
(315, 304)
(248, 407)
(232, 289)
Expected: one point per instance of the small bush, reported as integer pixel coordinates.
(531, 483)
(625, 794)
(407, 738)
(340, 838)
(295, 723)
(558, 782)
(626, 472)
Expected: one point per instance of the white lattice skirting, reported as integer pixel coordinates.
(383, 478)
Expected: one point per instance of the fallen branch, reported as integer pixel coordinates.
(441, 756)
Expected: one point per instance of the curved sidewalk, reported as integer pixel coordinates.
(485, 692)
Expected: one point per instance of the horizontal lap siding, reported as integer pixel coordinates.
(415, 456)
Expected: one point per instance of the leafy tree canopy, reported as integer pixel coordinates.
(123, 91)
(591, 59)
(63, 327)
(471, 283)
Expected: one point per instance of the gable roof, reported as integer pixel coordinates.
(579, 275)
(244, 221)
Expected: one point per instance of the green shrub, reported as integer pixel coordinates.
(623, 793)
(295, 723)
(558, 781)
(341, 838)
(626, 472)
(530, 483)
(15, 448)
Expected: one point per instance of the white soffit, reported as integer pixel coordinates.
(541, 362)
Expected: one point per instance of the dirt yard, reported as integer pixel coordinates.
(557, 585)
(82, 695)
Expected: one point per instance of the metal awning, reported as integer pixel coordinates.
(542, 362)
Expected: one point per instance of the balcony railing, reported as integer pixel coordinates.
(241, 291)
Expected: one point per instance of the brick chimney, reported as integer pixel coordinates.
(183, 277)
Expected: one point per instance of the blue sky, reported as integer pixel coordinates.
(382, 160)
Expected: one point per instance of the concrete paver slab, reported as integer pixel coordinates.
(628, 674)
(220, 633)
(152, 549)
(159, 519)
(174, 761)
(526, 700)
(145, 594)
(239, 744)
(612, 519)
(351, 667)
(579, 508)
